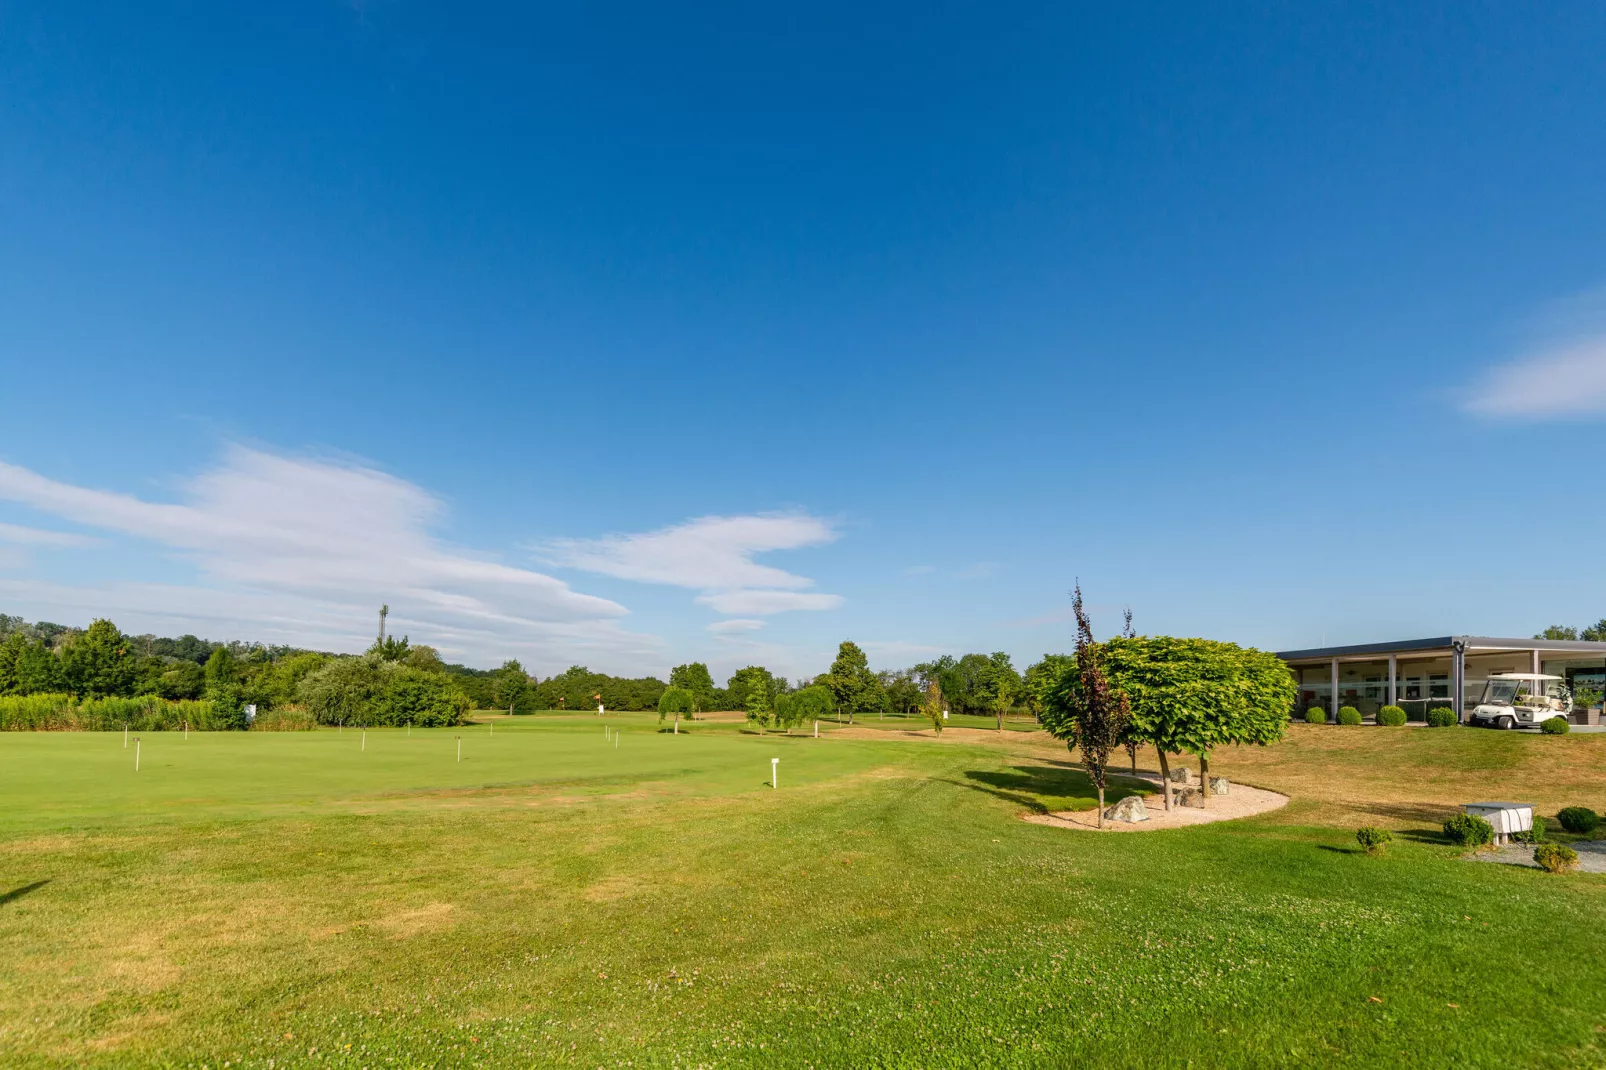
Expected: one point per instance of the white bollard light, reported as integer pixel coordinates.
(774, 764)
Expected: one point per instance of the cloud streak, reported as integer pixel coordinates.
(713, 554)
(313, 547)
(1568, 381)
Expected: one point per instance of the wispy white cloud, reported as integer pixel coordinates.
(16, 533)
(736, 626)
(1548, 385)
(713, 554)
(1561, 376)
(764, 603)
(919, 570)
(313, 547)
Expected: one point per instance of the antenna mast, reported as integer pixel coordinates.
(384, 611)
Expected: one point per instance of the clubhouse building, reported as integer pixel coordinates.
(1421, 674)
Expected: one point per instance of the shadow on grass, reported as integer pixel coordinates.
(18, 893)
(1339, 850)
(1045, 788)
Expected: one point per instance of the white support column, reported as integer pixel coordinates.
(1394, 698)
(1534, 661)
(1458, 675)
(1334, 702)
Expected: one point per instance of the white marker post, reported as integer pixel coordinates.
(459, 748)
(186, 730)
(493, 727)
(816, 729)
(125, 735)
(409, 730)
(364, 737)
(774, 764)
(136, 754)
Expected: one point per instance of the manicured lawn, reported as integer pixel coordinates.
(553, 899)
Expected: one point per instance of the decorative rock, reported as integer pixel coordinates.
(1218, 785)
(1187, 797)
(1182, 776)
(1128, 809)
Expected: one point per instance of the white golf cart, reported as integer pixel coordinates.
(1521, 700)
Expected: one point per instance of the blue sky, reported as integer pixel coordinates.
(634, 334)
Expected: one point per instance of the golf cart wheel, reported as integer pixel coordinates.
(1506, 724)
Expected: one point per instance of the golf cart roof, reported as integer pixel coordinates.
(1521, 676)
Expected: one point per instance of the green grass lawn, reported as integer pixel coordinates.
(288, 899)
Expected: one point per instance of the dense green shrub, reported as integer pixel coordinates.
(1441, 717)
(1579, 820)
(1349, 715)
(1469, 830)
(1555, 726)
(1315, 715)
(1391, 717)
(26, 713)
(1373, 838)
(1556, 857)
(368, 691)
(1533, 835)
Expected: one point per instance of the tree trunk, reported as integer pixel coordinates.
(1204, 779)
(1165, 776)
(1101, 808)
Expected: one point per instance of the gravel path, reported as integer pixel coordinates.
(1591, 855)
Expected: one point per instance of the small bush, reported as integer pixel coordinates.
(1533, 835)
(1555, 726)
(1579, 820)
(1441, 717)
(1469, 830)
(1315, 715)
(1391, 717)
(1556, 858)
(1373, 838)
(1349, 715)
(285, 719)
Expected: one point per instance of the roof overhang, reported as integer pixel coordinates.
(1471, 644)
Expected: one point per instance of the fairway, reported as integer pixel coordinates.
(303, 899)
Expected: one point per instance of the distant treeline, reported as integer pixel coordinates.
(395, 682)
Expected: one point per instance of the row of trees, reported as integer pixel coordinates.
(1593, 633)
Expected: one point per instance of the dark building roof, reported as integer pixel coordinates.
(1446, 642)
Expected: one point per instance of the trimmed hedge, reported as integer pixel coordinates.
(1556, 858)
(1391, 717)
(1349, 715)
(1373, 838)
(1315, 715)
(1579, 820)
(1469, 830)
(1441, 717)
(1555, 726)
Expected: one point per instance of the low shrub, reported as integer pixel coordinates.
(1391, 717)
(1579, 820)
(1469, 830)
(1555, 726)
(1441, 717)
(1533, 835)
(1315, 715)
(1556, 858)
(1373, 838)
(1349, 715)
